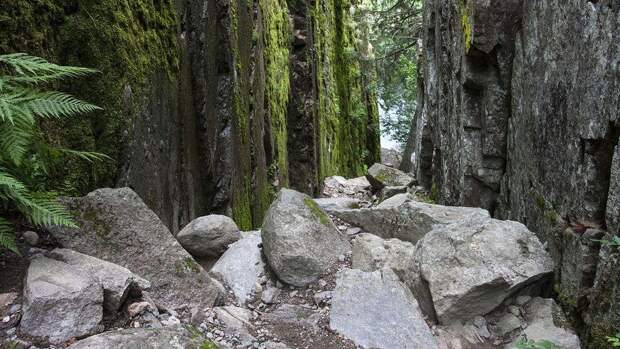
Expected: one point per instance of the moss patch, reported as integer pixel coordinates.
(466, 25)
(317, 212)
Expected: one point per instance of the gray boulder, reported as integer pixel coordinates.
(236, 322)
(337, 203)
(60, 302)
(407, 222)
(116, 281)
(375, 310)
(371, 253)
(116, 226)
(241, 266)
(546, 321)
(337, 186)
(294, 315)
(395, 201)
(299, 240)
(391, 157)
(142, 338)
(470, 268)
(209, 236)
(390, 191)
(381, 176)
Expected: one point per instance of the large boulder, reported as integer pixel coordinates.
(391, 157)
(469, 268)
(116, 226)
(337, 203)
(241, 267)
(375, 310)
(381, 176)
(546, 321)
(409, 221)
(209, 236)
(371, 253)
(142, 338)
(299, 240)
(337, 186)
(60, 302)
(117, 282)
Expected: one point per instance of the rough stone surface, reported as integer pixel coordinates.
(299, 239)
(236, 321)
(161, 338)
(371, 253)
(530, 139)
(470, 268)
(296, 315)
(388, 192)
(409, 221)
(209, 236)
(546, 321)
(391, 157)
(375, 310)
(116, 226)
(241, 267)
(60, 302)
(395, 201)
(31, 238)
(329, 204)
(337, 186)
(381, 176)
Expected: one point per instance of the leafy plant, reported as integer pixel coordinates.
(524, 343)
(614, 340)
(24, 152)
(614, 242)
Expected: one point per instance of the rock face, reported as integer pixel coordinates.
(116, 281)
(337, 203)
(299, 239)
(241, 266)
(160, 338)
(546, 321)
(470, 268)
(60, 302)
(407, 222)
(195, 129)
(371, 253)
(391, 157)
(530, 139)
(381, 176)
(209, 236)
(376, 311)
(116, 226)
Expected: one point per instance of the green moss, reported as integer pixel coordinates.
(317, 212)
(208, 345)
(191, 265)
(466, 25)
(599, 332)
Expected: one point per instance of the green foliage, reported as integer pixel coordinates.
(613, 242)
(523, 343)
(25, 157)
(614, 340)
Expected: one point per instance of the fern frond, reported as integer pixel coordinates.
(6, 236)
(85, 155)
(15, 140)
(57, 105)
(31, 69)
(45, 210)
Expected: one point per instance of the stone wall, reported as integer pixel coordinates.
(210, 106)
(521, 116)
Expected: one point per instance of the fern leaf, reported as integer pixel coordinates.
(6, 236)
(47, 211)
(58, 105)
(31, 69)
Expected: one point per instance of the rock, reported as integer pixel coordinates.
(381, 176)
(209, 236)
(299, 240)
(322, 298)
(337, 186)
(371, 253)
(116, 226)
(507, 324)
(395, 201)
(241, 267)
(117, 282)
(407, 222)
(31, 238)
(274, 345)
(337, 203)
(459, 336)
(375, 310)
(546, 321)
(294, 315)
(236, 322)
(470, 268)
(60, 302)
(521, 300)
(389, 191)
(270, 295)
(391, 157)
(7, 300)
(161, 338)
